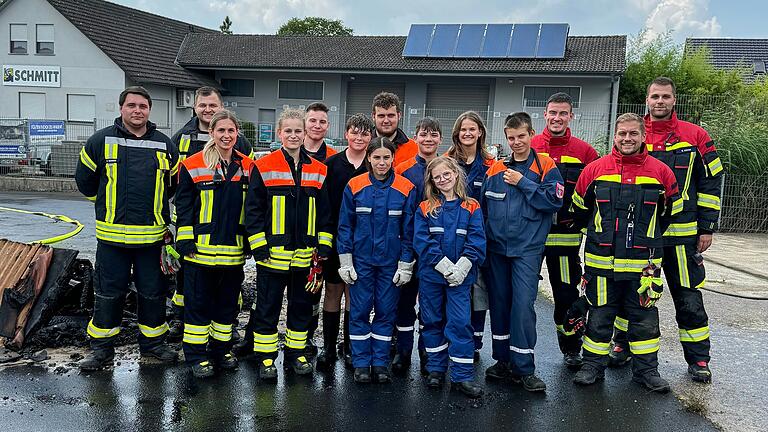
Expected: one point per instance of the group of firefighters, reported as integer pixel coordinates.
(404, 235)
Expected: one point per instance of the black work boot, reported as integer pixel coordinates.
(435, 379)
(362, 375)
(227, 362)
(401, 363)
(97, 359)
(469, 388)
(498, 371)
(347, 343)
(588, 375)
(652, 381)
(267, 370)
(619, 356)
(423, 362)
(531, 382)
(380, 374)
(700, 372)
(162, 353)
(572, 361)
(300, 366)
(328, 354)
(203, 369)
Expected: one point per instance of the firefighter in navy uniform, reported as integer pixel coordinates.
(288, 225)
(127, 170)
(211, 226)
(190, 139)
(689, 151)
(624, 200)
(561, 251)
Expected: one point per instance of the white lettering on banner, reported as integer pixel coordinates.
(31, 76)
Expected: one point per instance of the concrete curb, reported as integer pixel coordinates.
(36, 184)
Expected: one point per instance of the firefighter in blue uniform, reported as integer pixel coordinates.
(127, 170)
(520, 195)
(376, 256)
(211, 222)
(428, 138)
(450, 240)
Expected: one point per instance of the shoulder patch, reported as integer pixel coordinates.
(402, 167)
(496, 168)
(402, 185)
(359, 183)
(471, 205)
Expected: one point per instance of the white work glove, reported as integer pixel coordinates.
(445, 267)
(346, 269)
(459, 272)
(404, 272)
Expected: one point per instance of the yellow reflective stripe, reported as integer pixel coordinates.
(101, 333)
(707, 200)
(651, 233)
(599, 348)
(130, 229)
(572, 240)
(178, 299)
(598, 261)
(221, 332)
(257, 240)
(561, 329)
(615, 178)
(185, 233)
(242, 209)
(311, 217)
(678, 146)
(715, 166)
(220, 249)
(91, 198)
(569, 159)
(578, 201)
(598, 220)
(184, 144)
(295, 340)
(275, 264)
(175, 169)
(646, 180)
(86, 160)
(266, 343)
(127, 239)
(682, 266)
(110, 152)
(602, 291)
(701, 284)
(681, 229)
(325, 238)
(688, 173)
(129, 234)
(632, 265)
(677, 206)
(621, 323)
(565, 271)
(153, 331)
(162, 161)
(215, 260)
(206, 206)
(694, 335)
(159, 196)
(278, 214)
(645, 346)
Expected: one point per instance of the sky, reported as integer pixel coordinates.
(686, 18)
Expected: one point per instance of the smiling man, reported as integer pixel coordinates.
(561, 253)
(386, 114)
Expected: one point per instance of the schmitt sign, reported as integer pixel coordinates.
(31, 76)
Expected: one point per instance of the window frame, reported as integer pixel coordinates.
(38, 41)
(69, 114)
(11, 40)
(322, 91)
(576, 102)
(229, 94)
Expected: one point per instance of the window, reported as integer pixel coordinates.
(45, 39)
(160, 112)
(18, 39)
(536, 96)
(238, 87)
(308, 90)
(81, 108)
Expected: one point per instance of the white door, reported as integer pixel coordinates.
(32, 105)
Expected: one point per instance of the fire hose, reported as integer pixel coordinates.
(62, 218)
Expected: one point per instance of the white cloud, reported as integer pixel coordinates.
(684, 17)
(266, 16)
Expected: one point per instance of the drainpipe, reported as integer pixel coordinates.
(615, 80)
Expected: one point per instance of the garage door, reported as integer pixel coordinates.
(450, 100)
(360, 95)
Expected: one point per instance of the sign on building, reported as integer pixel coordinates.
(265, 132)
(46, 130)
(31, 76)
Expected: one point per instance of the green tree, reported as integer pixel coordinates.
(226, 25)
(314, 26)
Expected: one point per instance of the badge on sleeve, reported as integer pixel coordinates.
(560, 191)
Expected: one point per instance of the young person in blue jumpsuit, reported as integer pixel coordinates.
(468, 148)
(376, 256)
(428, 138)
(519, 197)
(449, 239)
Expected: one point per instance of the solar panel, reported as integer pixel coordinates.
(552, 41)
(417, 43)
(496, 43)
(470, 40)
(524, 40)
(444, 40)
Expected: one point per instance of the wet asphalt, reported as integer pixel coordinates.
(146, 397)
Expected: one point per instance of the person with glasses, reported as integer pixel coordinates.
(519, 197)
(376, 256)
(449, 238)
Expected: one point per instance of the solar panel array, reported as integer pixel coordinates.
(544, 41)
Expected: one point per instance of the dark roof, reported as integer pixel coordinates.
(584, 54)
(140, 43)
(726, 53)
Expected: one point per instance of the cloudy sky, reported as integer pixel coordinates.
(698, 18)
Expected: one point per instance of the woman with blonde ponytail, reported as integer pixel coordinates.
(210, 219)
(449, 239)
